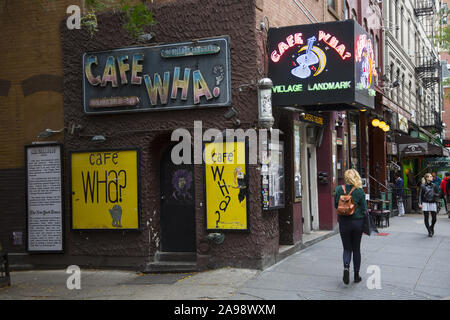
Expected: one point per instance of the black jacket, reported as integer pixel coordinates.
(429, 192)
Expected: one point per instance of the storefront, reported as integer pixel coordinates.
(140, 193)
(321, 71)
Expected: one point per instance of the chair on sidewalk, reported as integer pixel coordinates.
(4, 268)
(379, 213)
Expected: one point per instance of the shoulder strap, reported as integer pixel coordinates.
(352, 190)
(343, 188)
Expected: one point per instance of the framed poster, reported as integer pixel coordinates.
(44, 198)
(297, 168)
(226, 186)
(105, 189)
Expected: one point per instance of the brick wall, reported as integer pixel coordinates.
(30, 97)
(178, 21)
(287, 12)
(446, 113)
(31, 66)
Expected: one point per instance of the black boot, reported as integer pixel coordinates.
(357, 277)
(346, 277)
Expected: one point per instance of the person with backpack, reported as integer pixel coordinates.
(429, 195)
(350, 202)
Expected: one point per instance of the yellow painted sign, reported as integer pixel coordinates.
(226, 182)
(105, 190)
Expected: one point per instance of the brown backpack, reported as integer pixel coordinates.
(346, 205)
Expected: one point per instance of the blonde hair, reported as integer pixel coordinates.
(352, 177)
(426, 176)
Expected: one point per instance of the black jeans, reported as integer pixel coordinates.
(433, 219)
(351, 232)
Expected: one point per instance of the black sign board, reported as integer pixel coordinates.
(413, 149)
(162, 77)
(322, 66)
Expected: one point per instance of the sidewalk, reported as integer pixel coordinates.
(412, 266)
(126, 285)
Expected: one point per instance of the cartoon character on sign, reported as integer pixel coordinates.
(364, 54)
(307, 61)
(181, 183)
(241, 182)
(116, 215)
(365, 69)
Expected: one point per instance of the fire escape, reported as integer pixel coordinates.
(428, 68)
(424, 8)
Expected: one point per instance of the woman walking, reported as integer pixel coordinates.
(429, 195)
(351, 226)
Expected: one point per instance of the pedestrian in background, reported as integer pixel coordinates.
(429, 195)
(398, 186)
(437, 182)
(444, 193)
(351, 227)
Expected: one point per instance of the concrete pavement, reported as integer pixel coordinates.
(411, 265)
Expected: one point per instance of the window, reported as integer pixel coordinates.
(332, 4)
(396, 26)
(391, 14)
(377, 48)
(403, 90)
(354, 15)
(354, 141)
(409, 94)
(346, 11)
(391, 79)
(402, 36)
(408, 33)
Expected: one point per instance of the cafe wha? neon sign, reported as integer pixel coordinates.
(297, 39)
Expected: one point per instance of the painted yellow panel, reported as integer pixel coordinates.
(105, 190)
(226, 186)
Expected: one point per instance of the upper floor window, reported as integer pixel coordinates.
(402, 34)
(346, 11)
(377, 48)
(332, 4)
(396, 23)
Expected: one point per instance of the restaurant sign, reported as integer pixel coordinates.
(328, 63)
(409, 149)
(311, 118)
(162, 77)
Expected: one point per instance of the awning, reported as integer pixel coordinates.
(413, 147)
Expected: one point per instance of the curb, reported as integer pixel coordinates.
(300, 246)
